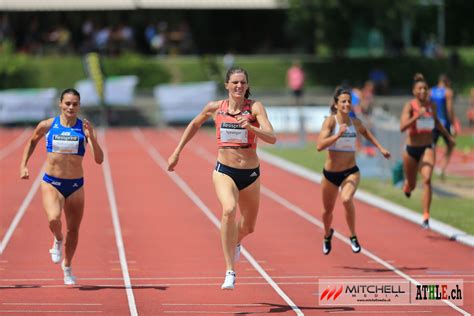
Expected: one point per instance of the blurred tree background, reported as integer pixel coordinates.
(404, 36)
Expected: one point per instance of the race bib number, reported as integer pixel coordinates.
(233, 133)
(65, 144)
(347, 141)
(425, 124)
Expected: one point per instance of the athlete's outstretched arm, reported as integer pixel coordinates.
(362, 130)
(265, 132)
(92, 139)
(30, 146)
(190, 131)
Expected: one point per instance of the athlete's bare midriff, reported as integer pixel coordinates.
(339, 160)
(64, 166)
(421, 139)
(239, 158)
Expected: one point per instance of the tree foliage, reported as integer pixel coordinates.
(331, 21)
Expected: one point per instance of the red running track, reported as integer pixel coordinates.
(148, 244)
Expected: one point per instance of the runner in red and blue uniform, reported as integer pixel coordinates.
(419, 118)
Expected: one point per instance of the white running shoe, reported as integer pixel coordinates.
(237, 253)
(56, 251)
(69, 279)
(229, 281)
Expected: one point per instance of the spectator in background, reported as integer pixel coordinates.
(380, 80)
(229, 60)
(5, 29)
(295, 81)
(59, 39)
(366, 108)
(470, 109)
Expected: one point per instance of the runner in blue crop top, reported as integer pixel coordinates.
(442, 96)
(338, 136)
(66, 136)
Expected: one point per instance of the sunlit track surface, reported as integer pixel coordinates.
(172, 250)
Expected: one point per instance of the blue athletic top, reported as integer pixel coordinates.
(438, 96)
(355, 102)
(66, 140)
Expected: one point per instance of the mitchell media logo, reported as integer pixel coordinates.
(331, 292)
(362, 292)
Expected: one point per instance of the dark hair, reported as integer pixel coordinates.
(339, 91)
(235, 70)
(444, 79)
(70, 91)
(418, 77)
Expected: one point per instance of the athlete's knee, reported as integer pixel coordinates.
(54, 222)
(346, 199)
(427, 182)
(247, 230)
(73, 231)
(229, 213)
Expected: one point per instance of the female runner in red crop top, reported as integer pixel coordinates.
(419, 118)
(239, 122)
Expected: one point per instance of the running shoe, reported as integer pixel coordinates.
(69, 279)
(229, 281)
(425, 224)
(355, 244)
(406, 190)
(327, 242)
(237, 253)
(56, 251)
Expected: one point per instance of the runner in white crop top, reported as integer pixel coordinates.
(341, 174)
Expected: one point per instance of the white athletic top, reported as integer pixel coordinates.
(347, 142)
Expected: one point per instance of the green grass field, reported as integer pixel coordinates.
(455, 211)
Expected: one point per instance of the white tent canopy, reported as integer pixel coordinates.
(67, 5)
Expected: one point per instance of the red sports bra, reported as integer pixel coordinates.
(425, 123)
(229, 133)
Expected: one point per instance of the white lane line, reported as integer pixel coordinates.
(212, 304)
(116, 222)
(44, 311)
(5, 151)
(155, 155)
(377, 312)
(21, 211)
(313, 220)
(207, 312)
(341, 276)
(53, 304)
